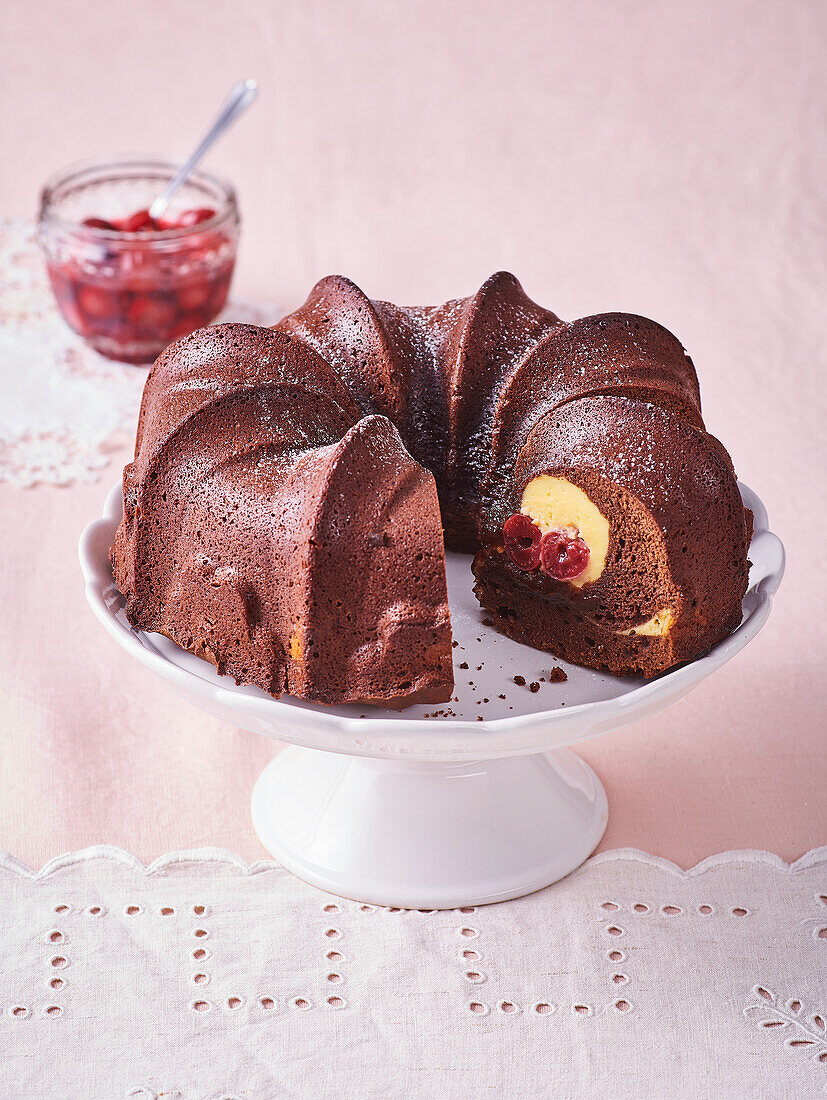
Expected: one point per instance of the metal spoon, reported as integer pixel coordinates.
(240, 97)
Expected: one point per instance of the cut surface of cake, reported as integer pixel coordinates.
(285, 511)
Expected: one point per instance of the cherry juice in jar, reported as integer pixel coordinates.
(126, 283)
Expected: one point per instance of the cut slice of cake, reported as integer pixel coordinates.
(270, 530)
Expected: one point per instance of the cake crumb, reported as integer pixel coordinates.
(520, 680)
(480, 718)
(557, 675)
(502, 697)
(454, 644)
(534, 686)
(464, 664)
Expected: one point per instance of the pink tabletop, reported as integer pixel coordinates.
(613, 157)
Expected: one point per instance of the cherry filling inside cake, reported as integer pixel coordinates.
(559, 552)
(355, 440)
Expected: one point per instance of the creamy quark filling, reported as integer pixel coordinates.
(553, 503)
(656, 627)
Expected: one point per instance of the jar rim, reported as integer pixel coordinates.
(72, 175)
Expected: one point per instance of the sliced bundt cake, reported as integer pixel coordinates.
(281, 515)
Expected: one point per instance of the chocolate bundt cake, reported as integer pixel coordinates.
(284, 513)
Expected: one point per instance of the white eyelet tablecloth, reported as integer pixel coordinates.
(206, 978)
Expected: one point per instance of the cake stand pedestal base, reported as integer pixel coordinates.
(424, 835)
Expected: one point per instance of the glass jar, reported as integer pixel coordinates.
(128, 294)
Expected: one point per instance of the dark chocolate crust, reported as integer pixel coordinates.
(284, 514)
(273, 530)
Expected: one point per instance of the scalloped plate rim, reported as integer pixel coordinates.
(428, 738)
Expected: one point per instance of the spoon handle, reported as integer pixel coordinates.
(240, 97)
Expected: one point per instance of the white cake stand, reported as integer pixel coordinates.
(433, 812)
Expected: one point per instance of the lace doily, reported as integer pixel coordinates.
(205, 978)
(64, 407)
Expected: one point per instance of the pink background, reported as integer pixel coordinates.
(663, 159)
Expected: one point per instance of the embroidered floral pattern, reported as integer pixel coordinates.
(802, 1031)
